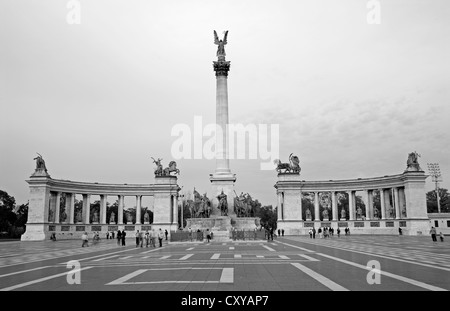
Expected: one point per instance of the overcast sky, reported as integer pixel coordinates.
(99, 98)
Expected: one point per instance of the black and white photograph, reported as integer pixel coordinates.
(229, 153)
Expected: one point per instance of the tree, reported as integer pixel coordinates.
(7, 207)
(444, 201)
(22, 215)
(268, 216)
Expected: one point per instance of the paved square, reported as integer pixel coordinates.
(348, 263)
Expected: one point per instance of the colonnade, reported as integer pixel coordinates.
(392, 205)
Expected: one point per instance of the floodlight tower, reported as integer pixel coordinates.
(435, 172)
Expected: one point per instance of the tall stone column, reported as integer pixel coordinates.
(57, 207)
(222, 179)
(316, 207)
(366, 202)
(401, 200)
(370, 208)
(334, 206)
(120, 211)
(87, 208)
(103, 201)
(138, 209)
(382, 204)
(70, 207)
(396, 203)
(351, 206)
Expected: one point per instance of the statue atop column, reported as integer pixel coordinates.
(293, 167)
(412, 164)
(159, 171)
(41, 169)
(221, 45)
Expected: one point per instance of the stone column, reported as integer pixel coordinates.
(222, 179)
(351, 207)
(334, 206)
(366, 202)
(279, 206)
(316, 207)
(396, 203)
(57, 207)
(401, 200)
(138, 209)
(103, 200)
(370, 205)
(120, 211)
(70, 207)
(301, 206)
(87, 208)
(175, 210)
(382, 204)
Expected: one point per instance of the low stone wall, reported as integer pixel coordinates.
(369, 227)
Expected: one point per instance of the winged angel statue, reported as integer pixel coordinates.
(221, 44)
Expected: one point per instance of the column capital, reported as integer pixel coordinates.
(221, 68)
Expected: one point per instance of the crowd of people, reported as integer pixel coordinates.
(326, 232)
(142, 238)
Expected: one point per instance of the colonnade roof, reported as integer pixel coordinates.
(95, 188)
(294, 182)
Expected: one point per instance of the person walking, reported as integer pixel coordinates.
(279, 232)
(84, 238)
(319, 232)
(153, 238)
(166, 233)
(441, 236)
(160, 237)
(208, 235)
(282, 232)
(310, 233)
(433, 234)
(147, 238)
(107, 235)
(314, 233)
(399, 231)
(137, 236)
(119, 237)
(338, 232)
(271, 234)
(123, 235)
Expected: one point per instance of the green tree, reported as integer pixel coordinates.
(444, 201)
(268, 216)
(22, 215)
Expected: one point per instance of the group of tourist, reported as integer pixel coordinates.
(326, 232)
(149, 238)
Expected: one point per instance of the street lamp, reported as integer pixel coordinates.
(435, 172)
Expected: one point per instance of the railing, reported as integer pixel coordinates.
(248, 235)
(183, 236)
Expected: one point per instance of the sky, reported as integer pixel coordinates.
(352, 94)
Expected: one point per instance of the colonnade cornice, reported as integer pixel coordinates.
(94, 188)
(360, 184)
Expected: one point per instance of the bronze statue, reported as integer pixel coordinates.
(112, 218)
(358, 212)
(146, 217)
(375, 213)
(308, 214)
(159, 171)
(343, 214)
(291, 167)
(40, 163)
(223, 205)
(413, 162)
(221, 45)
(325, 214)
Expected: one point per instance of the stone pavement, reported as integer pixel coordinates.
(348, 263)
